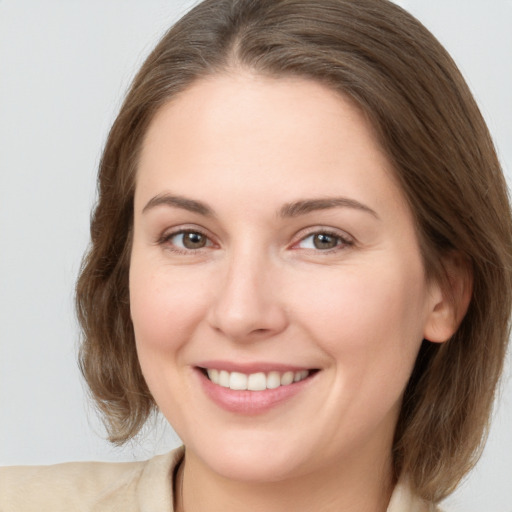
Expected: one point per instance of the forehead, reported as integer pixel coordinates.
(248, 133)
(263, 108)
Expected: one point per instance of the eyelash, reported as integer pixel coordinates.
(343, 241)
(167, 237)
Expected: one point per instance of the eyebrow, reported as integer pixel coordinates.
(305, 206)
(179, 202)
(293, 209)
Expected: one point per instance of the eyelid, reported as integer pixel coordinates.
(169, 233)
(346, 239)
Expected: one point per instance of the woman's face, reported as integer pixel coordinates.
(271, 244)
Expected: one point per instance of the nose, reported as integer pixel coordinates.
(247, 306)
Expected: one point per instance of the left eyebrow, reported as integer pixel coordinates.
(305, 206)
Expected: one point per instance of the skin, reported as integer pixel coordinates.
(245, 146)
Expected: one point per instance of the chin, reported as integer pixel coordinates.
(251, 460)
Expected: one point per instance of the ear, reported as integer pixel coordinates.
(450, 296)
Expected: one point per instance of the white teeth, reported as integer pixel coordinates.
(286, 378)
(237, 381)
(273, 380)
(300, 375)
(255, 381)
(224, 378)
(213, 375)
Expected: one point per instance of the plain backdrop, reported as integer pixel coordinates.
(64, 68)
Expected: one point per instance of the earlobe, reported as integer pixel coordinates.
(451, 296)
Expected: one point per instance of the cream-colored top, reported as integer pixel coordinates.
(126, 487)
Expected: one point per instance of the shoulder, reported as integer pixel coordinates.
(90, 486)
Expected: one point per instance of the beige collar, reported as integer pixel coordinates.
(153, 491)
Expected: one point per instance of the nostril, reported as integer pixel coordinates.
(251, 315)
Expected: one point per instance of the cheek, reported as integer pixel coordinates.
(367, 316)
(370, 325)
(165, 308)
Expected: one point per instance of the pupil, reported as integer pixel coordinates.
(194, 240)
(323, 241)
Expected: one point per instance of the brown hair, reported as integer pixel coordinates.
(426, 118)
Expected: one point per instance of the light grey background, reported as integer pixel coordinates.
(64, 68)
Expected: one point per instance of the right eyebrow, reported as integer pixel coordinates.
(178, 202)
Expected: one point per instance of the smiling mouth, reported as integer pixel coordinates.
(258, 381)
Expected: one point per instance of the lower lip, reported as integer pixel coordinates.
(250, 402)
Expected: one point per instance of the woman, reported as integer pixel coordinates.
(301, 256)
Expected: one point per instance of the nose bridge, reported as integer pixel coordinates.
(246, 305)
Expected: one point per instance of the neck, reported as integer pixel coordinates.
(348, 486)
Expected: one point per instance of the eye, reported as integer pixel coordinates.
(187, 240)
(323, 241)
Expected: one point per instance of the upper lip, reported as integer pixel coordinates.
(251, 367)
